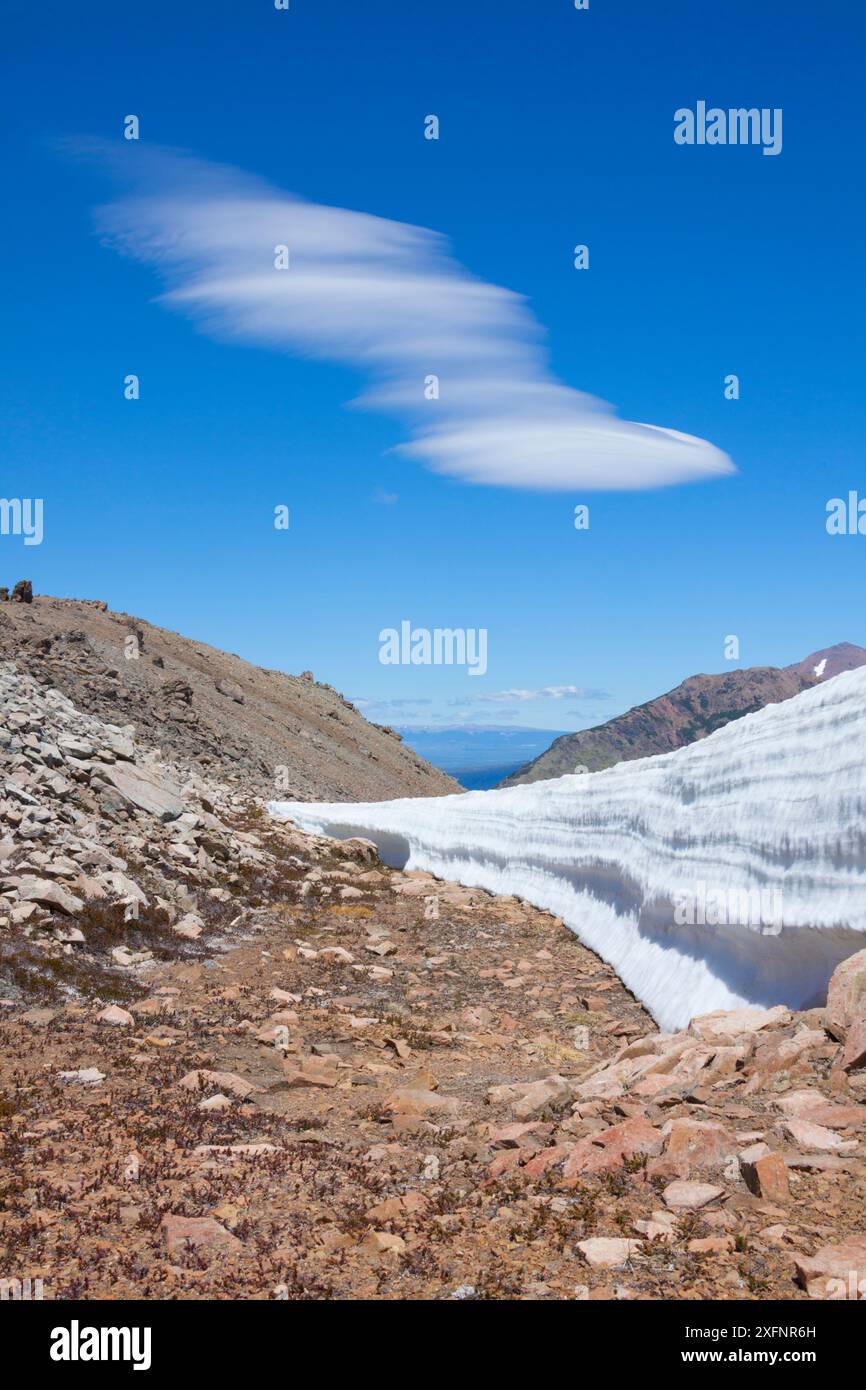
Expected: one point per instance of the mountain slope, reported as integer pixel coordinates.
(731, 872)
(276, 733)
(831, 661)
(693, 710)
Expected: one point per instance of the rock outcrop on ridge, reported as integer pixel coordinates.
(263, 730)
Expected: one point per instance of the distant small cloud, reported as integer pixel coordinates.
(370, 705)
(386, 498)
(546, 692)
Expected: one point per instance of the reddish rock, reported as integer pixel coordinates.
(115, 1017)
(520, 1135)
(711, 1245)
(660, 1228)
(726, 1062)
(651, 1085)
(553, 1090)
(309, 1074)
(698, 1144)
(200, 1232)
(218, 1102)
(814, 1137)
(383, 1243)
(836, 1116)
(854, 1052)
(506, 1160)
(547, 1158)
(690, 1196)
(608, 1252)
(818, 1163)
(730, 1023)
(601, 1152)
(765, 1173)
(608, 1083)
(420, 1102)
(846, 996)
(811, 1104)
(781, 1055)
(398, 1208)
(505, 1094)
(835, 1271)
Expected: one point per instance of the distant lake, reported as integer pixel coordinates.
(476, 756)
(481, 779)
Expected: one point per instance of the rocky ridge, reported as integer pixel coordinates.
(258, 729)
(89, 816)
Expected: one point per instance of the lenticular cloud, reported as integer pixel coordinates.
(389, 299)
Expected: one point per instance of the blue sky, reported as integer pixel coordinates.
(556, 129)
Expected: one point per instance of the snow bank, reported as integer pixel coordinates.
(774, 803)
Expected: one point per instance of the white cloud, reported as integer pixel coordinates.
(545, 692)
(389, 299)
(371, 705)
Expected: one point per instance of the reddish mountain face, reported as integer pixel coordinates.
(831, 661)
(693, 710)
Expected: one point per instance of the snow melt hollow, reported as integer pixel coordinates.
(730, 872)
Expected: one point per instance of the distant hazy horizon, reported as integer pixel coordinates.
(478, 757)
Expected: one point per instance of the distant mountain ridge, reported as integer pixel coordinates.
(696, 708)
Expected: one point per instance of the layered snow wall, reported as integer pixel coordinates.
(732, 871)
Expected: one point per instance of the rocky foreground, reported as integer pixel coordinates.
(243, 1062)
